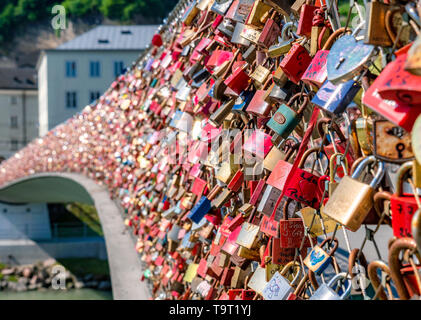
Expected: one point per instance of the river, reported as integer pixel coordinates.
(74, 294)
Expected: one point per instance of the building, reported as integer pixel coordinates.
(18, 109)
(77, 72)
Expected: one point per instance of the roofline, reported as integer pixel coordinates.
(41, 55)
(17, 90)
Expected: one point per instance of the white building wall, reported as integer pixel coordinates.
(13, 103)
(29, 221)
(43, 95)
(52, 74)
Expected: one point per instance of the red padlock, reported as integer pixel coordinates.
(403, 206)
(295, 62)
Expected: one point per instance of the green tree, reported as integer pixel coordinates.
(79, 8)
(113, 9)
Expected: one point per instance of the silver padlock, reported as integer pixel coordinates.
(326, 292)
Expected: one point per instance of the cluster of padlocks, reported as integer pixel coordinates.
(251, 134)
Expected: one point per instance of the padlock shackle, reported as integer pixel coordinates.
(292, 265)
(374, 278)
(379, 197)
(332, 250)
(337, 278)
(403, 170)
(352, 260)
(416, 228)
(332, 165)
(362, 165)
(285, 208)
(329, 42)
(303, 105)
(306, 155)
(395, 264)
(335, 127)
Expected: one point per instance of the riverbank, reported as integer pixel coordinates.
(62, 275)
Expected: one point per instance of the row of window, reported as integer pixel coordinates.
(94, 69)
(71, 98)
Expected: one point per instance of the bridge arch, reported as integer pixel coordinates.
(124, 262)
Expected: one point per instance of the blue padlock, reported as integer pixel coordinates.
(335, 98)
(203, 206)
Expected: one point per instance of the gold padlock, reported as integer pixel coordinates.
(352, 199)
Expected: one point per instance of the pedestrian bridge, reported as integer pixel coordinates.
(124, 262)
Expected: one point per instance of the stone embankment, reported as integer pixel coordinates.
(48, 275)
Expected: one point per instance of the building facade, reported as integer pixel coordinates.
(77, 72)
(18, 109)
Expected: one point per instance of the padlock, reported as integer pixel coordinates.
(326, 291)
(334, 99)
(376, 32)
(394, 83)
(352, 200)
(258, 144)
(257, 13)
(375, 281)
(306, 17)
(347, 57)
(285, 120)
(258, 106)
(391, 142)
(304, 185)
(248, 235)
(357, 268)
(413, 61)
(238, 80)
(291, 230)
(318, 259)
(278, 287)
(295, 62)
(270, 32)
(227, 169)
(203, 206)
(403, 206)
(316, 73)
(277, 153)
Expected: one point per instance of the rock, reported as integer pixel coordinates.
(20, 287)
(23, 281)
(27, 272)
(8, 272)
(11, 285)
(104, 285)
(33, 287)
(43, 274)
(49, 262)
(34, 280)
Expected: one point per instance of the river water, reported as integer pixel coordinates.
(74, 294)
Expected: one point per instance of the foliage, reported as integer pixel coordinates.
(83, 266)
(17, 14)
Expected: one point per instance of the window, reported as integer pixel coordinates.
(94, 69)
(94, 95)
(14, 122)
(118, 68)
(13, 100)
(71, 99)
(13, 145)
(70, 69)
